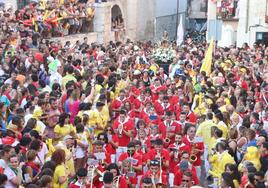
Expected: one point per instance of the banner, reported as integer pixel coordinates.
(207, 63)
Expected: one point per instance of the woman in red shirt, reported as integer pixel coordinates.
(112, 141)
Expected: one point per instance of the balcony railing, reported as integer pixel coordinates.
(227, 10)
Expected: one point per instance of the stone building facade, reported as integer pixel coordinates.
(248, 24)
(143, 20)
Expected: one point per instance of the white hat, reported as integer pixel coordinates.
(137, 72)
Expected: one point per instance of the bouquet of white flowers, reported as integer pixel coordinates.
(164, 55)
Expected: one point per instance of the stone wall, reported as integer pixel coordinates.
(145, 20)
(92, 37)
(248, 26)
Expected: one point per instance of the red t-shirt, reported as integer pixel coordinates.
(117, 104)
(155, 90)
(199, 145)
(174, 162)
(165, 154)
(179, 174)
(191, 117)
(160, 107)
(136, 156)
(172, 127)
(112, 150)
(127, 126)
(149, 175)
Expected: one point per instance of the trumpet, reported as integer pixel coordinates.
(120, 129)
(193, 157)
(102, 163)
(93, 171)
(153, 180)
(160, 178)
(143, 146)
(116, 181)
(167, 140)
(176, 152)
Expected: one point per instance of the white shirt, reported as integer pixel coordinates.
(80, 152)
(55, 78)
(173, 70)
(10, 175)
(41, 154)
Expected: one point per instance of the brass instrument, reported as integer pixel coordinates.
(102, 163)
(158, 184)
(167, 140)
(176, 152)
(193, 157)
(160, 178)
(120, 129)
(153, 180)
(93, 171)
(116, 181)
(143, 146)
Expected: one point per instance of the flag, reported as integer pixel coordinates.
(180, 33)
(207, 63)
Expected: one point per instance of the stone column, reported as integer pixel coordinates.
(102, 22)
(131, 18)
(211, 19)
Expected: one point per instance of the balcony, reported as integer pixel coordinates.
(227, 11)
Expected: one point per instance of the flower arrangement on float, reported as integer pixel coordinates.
(164, 55)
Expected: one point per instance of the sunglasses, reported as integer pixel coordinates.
(154, 163)
(186, 181)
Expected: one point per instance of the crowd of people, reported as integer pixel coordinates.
(54, 18)
(94, 115)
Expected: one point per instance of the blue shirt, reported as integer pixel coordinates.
(5, 100)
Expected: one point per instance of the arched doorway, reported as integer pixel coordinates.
(118, 25)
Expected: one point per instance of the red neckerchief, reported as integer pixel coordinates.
(7, 95)
(265, 155)
(23, 149)
(21, 99)
(33, 166)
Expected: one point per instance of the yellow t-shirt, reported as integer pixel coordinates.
(65, 130)
(95, 118)
(221, 125)
(204, 130)
(59, 172)
(105, 114)
(212, 144)
(66, 79)
(98, 87)
(70, 162)
(218, 162)
(236, 183)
